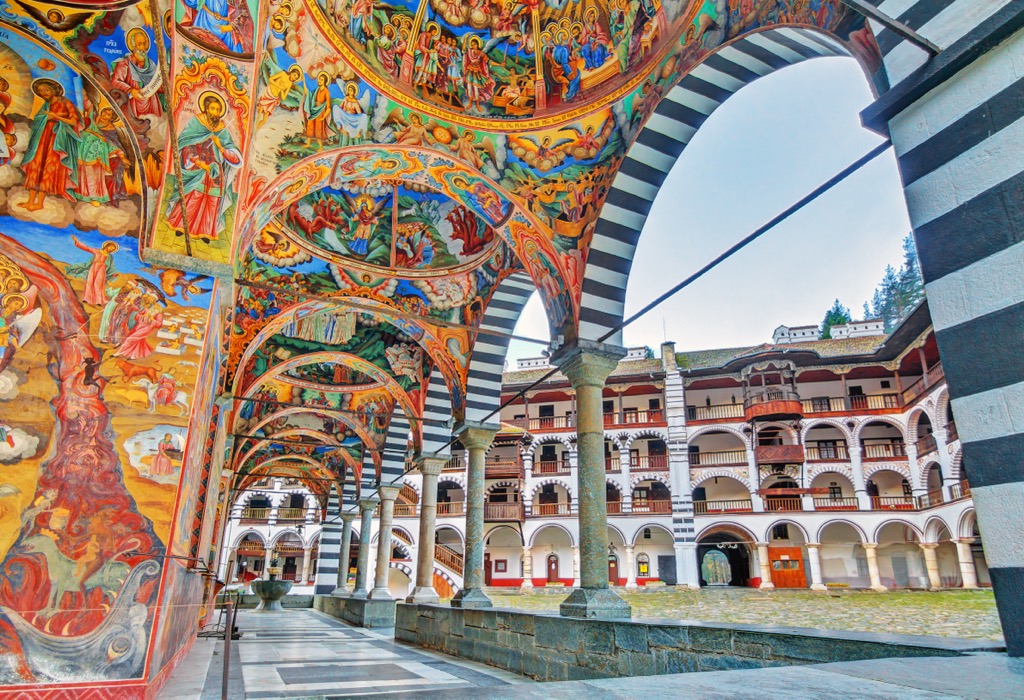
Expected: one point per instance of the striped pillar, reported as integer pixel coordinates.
(437, 415)
(683, 531)
(957, 124)
(330, 547)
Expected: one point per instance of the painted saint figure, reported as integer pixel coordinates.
(162, 465)
(99, 158)
(227, 22)
(96, 272)
(6, 125)
(317, 110)
(477, 69)
(138, 76)
(50, 162)
(209, 157)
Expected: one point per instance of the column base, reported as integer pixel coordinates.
(767, 586)
(527, 585)
(880, 589)
(382, 594)
(818, 587)
(631, 586)
(471, 598)
(360, 594)
(595, 602)
(341, 593)
(424, 595)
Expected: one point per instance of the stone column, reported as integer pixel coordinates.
(527, 568)
(424, 591)
(587, 364)
(477, 438)
(687, 572)
(859, 482)
(388, 494)
(966, 557)
(871, 553)
(931, 564)
(754, 476)
(305, 565)
(766, 567)
(366, 506)
(346, 551)
(527, 466)
(576, 567)
(630, 569)
(814, 560)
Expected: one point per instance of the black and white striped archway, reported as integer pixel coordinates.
(659, 144)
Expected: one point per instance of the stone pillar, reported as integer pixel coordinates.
(931, 564)
(814, 560)
(587, 365)
(966, 557)
(871, 553)
(305, 565)
(388, 494)
(527, 467)
(527, 568)
(630, 569)
(346, 551)
(424, 591)
(766, 567)
(625, 467)
(687, 571)
(366, 506)
(476, 438)
(576, 567)
(859, 482)
(754, 476)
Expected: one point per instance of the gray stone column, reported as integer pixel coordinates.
(528, 567)
(766, 566)
(366, 506)
(814, 559)
(424, 591)
(587, 365)
(388, 494)
(476, 437)
(968, 573)
(931, 564)
(871, 554)
(346, 550)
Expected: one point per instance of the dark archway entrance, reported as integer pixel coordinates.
(736, 551)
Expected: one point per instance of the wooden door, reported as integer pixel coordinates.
(552, 568)
(487, 569)
(613, 570)
(787, 565)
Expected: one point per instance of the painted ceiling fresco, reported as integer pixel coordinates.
(238, 237)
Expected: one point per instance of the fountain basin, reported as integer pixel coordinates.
(270, 594)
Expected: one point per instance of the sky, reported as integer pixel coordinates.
(764, 148)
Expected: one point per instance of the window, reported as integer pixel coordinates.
(501, 565)
(835, 491)
(780, 532)
(653, 404)
(907, 491)
(862, 566)
(647, 533)
(885, 384)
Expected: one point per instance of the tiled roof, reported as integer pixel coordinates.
(625, 368)
(843, 347)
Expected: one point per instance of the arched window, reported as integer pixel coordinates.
(643, 566)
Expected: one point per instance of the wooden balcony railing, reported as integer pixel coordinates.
(503, 468)
(783, 503)
(250, 547)
(959, 490)
(454, 464)
(405, 510)
(875, 402)
(740, 505)
(288, 550)
(725, 411)
(637, 417)
(780, 454)
(552, 509)
(552, 423)
(556, 466)
(925, 445)
(841, 503)
(931, 499)
(887, 450)
(255, 513)
(402, 536)
(611, 464)
(825, 404)
(449, 558)
(915, 390)
(614, 507)
(652, 506)
(452, 508)
(649, 463)
(827, 453)
(893, 503)
(772, 403)
(719, 458)
(291, 514)
(503, 511)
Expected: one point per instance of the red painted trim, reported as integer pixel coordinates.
(506, 582)
(542, 582)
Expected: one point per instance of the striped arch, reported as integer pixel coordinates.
(941, 407)
(831, 422)
(549, 439)
(344, 418)
(701, 430)
(956, 464)
(246, 496)
(819, 469)
(250, 531)
(873, 468)
(646, 433)
(502, 484)
(661, 477)
(708, 474)
(914, 422)
(282, 533)
(926, 470)
(557, 482)
(879, 419)
(452, 478)
(614, 483)
(657, 147)
(396, 445)
(437, 416)
(403, 567)
(487, 362)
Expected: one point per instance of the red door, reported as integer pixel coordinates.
(487, 569)
(552, 568)
(787, 567)
(613, 570)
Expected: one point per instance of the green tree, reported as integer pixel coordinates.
(900, 291)
(836, 316)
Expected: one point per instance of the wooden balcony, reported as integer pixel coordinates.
(285, 514)
(780, 454)
(780, 504)
(875, 402)
(827, 453)
(883, 451)
(504, 512)
(557, 466)
(614, 507)
(841, 503)
(916, 390)
(893, 503)
(635, 417)
(742, 505)
(552, 509)
(931, 499)
(251, 548)
(951, 433)
(649, 463)
(445, 510)
(960, 490)
(405, 510)
(288, 550)
(720, 458)
(652, 506)
(773, 404)
(254, 515)
(719, 412)
(551, 424)
(611, 464)
(926, 445)
(449, 558)
(503, 468)
(454, 464)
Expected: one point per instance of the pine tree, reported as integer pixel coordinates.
(836, 316)
(900, 291)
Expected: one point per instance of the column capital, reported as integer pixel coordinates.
(966, 540)
(348, 516)
(869, 545)
(430, 465)
(813, 544)
(388, 493)
(928, 545)
(368, 503)
(587, 363)
(476, 436)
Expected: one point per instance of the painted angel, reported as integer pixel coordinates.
(411, 132)
(351, 114)
(365, 217)
(587, 142)
(544, 155)
(466, 148)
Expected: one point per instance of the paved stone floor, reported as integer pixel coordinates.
(954, 613)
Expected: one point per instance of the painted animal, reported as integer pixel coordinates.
(130, 370)
(180, 397)
(61, 570)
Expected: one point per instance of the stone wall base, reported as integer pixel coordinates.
(552, 648)
(250, 601)
(361, 612)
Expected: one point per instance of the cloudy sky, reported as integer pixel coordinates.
(766, 147)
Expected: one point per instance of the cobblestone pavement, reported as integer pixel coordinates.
(958, 613)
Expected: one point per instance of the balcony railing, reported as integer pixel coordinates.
(288, 550)
(925, 445)
(893, 503)
(448, 557)
(635, 417)
(740, 505)
(959, 490)
(915, 390)
(725, 411)
(840, 503)
(554, 466)
(720, 458)
(649, 463)
(652, 506)
(250, 547)
(503, 511)
(887, 450)
(454, 464)
(552, 423)
(875, 402)
(614, 507)
(255, 513)
(780, 454)
(776, 504)
(827, 453)
(503, 468)
(611, 464)
(291, 514)
(825, 404)
(931, 499)
(452, 508)
(552, 509)
(405, 510)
